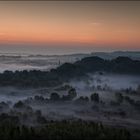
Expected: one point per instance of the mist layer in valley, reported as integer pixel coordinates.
(99, 94)
(21, 62)
(117, 101)
(24, 61)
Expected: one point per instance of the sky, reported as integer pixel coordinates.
(69, 26)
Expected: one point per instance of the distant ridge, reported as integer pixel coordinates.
(105, 55)
(112, 55)
(68, 71)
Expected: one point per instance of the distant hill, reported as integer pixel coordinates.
(68, 71)
(112, 55)
(124, 65)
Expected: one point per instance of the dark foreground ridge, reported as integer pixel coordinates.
(68, 71)
(63, 130)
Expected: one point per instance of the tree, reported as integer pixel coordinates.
(54, 97)
(129, 100)
(39, 98)
(72, 93)
(95, 97)
(82, 99)
(119, 97)
(19, 104)
(38, 113)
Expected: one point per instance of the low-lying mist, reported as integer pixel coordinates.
(100, 97)
(103, 80)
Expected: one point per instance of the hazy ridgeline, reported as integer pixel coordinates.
(91, 89)
(24, 61)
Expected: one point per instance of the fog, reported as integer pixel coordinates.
(107, 110)
(28, 61)
(112, 81)
(13, 62)
(117, 103)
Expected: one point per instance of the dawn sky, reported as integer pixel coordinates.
(69, 24)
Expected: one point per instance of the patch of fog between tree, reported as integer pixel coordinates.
(104, 84)
(44, 63)
(13, 94)
(112, 81)
(60, 111)
(84, 87)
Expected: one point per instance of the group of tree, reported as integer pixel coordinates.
(62, 130)
(55, 97)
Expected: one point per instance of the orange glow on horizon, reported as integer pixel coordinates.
(34, 37)
(88, 23)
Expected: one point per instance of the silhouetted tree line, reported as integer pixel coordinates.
(63, 130)
(67, 71)
(55, 97)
